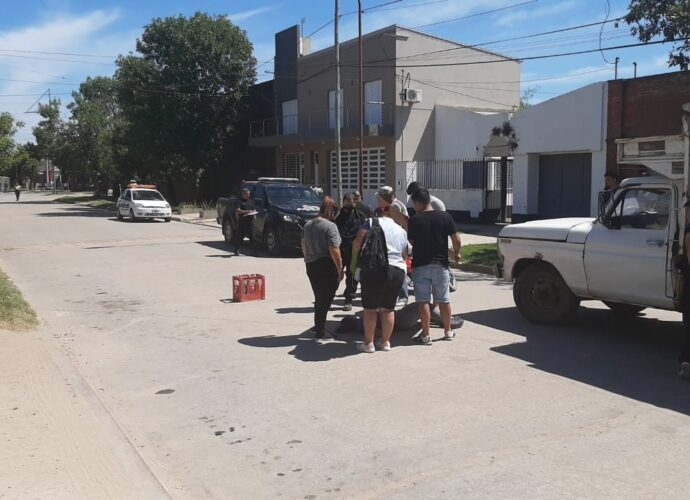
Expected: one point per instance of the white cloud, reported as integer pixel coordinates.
(248, 14)
(24, 73)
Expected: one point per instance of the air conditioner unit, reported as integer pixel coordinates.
(413, 95)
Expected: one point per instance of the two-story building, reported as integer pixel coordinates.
(406, 74)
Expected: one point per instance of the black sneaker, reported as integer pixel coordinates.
(421, 339)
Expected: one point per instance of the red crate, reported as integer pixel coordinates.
(246, 287)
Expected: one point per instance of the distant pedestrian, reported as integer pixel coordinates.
(246, 209)
(321, 249)
(17, 191)
(428, 232)
(361, 206)
(382, 262)
(349, 222)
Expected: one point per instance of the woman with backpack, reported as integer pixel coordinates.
(379, 253)
(321, 249)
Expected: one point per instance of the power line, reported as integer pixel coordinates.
(455, 19)
(43, 52)
(531, 58)
(463, 94)
(407, 6)
(58, 60)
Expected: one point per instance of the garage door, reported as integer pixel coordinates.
(565, 185)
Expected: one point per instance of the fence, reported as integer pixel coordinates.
(473, 174)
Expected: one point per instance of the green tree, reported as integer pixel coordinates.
(182, 97)
(8, 128)
(668, 19)
(90, 140)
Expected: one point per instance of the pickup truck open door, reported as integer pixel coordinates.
(628, 251)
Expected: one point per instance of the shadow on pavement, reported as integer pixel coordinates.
(247, 250)
(79, 212)
(305, 348)
(21, 202)
(295, 310)
(634, 357)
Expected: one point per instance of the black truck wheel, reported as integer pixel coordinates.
(542, 296)
(272, 241)
(227, 230)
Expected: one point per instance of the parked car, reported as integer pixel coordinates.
(143, 202)
(283, 208)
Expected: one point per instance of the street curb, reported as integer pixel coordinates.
(196, 222)
(475, 268)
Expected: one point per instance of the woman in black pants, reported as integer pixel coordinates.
(321, 249)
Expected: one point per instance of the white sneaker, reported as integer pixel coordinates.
(449, 335)
(383, 346)
(421, 339)
(368, 348)
(403, 302)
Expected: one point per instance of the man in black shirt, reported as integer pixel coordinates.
(428, 231)
(245, 216)
(349, 222)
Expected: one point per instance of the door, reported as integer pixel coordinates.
(123, 203)
(259, 198)
(629, 262)
(565, 185)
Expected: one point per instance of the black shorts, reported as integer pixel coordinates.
(380, 289)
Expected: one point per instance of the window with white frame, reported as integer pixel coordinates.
(290, 123)
(331, 109)
(374, 169)
(373, 99)
(293, 166)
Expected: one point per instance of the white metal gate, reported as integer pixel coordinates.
(293, 166)
(374, 170)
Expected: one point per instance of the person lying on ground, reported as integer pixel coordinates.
(406, 320)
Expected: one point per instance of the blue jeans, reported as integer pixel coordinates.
(405, 290)
(432, 279)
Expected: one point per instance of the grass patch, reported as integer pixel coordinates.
(88, 200)
(15, 312)
(485, 254)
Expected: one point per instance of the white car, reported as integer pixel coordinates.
(143, 203)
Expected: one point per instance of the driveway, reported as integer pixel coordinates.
(225, 400)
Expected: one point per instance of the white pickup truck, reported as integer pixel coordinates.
(626, 257)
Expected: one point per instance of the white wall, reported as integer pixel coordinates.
(571, 123)
(461, 200)
(461, 133)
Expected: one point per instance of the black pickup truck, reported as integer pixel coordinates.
(283, 207)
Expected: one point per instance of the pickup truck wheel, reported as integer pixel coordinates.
(542, 296)
(272, 241)
(624, 309)
(227, 231)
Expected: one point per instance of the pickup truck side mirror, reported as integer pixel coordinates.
(607, 201)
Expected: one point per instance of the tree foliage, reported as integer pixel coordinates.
(182, 96)
(668, 19)
(507, 131)
(8, 147)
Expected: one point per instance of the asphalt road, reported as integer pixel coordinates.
(224, 400)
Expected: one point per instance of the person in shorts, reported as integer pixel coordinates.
(428, 231)
(380, 287)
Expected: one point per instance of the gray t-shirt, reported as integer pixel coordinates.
(319, 235)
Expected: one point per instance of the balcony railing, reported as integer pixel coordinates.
(379, 120)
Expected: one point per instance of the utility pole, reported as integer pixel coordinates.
(361, 102)
(338, 166)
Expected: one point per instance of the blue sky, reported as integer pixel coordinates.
(110, 27)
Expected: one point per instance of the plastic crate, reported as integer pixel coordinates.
(246, 287)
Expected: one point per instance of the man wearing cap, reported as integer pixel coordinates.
(398, 210)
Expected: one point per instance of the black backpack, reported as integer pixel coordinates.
(374, 253)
